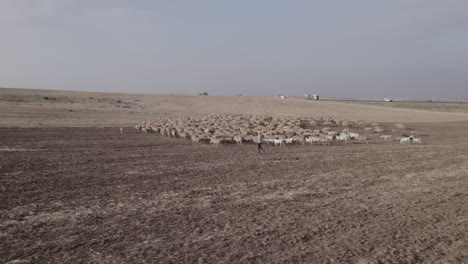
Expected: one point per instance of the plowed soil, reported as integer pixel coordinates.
(92, 195)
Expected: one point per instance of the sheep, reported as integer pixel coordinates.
(225, 129)
(301, 139)
(361, 123)
(121, 130)
(378, 129)
(327, 123)
(238, 139)
(174, 133)
(325, 141)
(312, 140)
(386, 137)
(362, 139)
(278, 142)
(315, 139)
(291, 140)
(215, 141)
(200, 139)
(417, 141)
(400, 126)
(249, 139)
(155, 128)
(343, 137)
(406, 140)
(179, 130)
(354, 135)
(227, 140)
(185, 135)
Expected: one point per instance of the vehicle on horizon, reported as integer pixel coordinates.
(312, 97)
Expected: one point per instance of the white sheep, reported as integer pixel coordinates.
(312, 140)
(354, 135)
(225, 129)
(278, 142)
(343, 137)
(386, 137)
(399, 126)
(238, 139)
(291, 140)
(215, 141)
(378, 129)
(406, 140)
(325, 140)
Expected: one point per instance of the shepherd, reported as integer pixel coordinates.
(259, 142)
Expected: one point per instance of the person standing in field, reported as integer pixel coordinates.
(259, 142)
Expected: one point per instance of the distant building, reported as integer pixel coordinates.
(281, 96)
(388, 100)
(312, 97)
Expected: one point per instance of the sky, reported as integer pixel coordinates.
(334, 48)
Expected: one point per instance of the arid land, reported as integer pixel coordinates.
(75, 190)
(49, 108)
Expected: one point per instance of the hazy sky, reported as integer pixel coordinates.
(359, 48)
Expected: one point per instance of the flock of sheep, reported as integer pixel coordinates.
(279, 131)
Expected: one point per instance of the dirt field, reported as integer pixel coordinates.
(92, 195)
(29, 108)
(453, 107)
(75, 190)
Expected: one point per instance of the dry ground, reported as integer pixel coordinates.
(454, 107)
(92, 195)
(28, 108)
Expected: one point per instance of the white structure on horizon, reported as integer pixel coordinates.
(312, 97)
(388, 100)
(281, 96)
